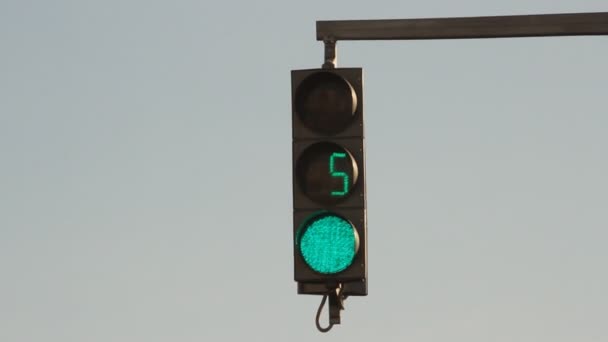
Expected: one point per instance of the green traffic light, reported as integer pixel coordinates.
(328, 243)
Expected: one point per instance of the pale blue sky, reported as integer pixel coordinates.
(145, 175)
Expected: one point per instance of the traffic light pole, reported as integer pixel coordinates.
(512, 26)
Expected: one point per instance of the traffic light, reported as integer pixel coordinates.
(329, 181)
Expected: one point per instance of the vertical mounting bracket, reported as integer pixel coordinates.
(330, 53)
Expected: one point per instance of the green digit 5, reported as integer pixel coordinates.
(339, 174)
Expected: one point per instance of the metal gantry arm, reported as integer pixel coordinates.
(512, 26)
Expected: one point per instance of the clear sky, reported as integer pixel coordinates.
(145, 175)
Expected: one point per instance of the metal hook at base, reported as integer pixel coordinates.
(336, 304)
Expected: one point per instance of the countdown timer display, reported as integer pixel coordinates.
(326, 172)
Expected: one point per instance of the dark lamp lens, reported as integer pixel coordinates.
(326, 103)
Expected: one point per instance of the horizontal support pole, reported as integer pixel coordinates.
(538, 25)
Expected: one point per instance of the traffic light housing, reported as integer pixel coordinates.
(329, 229)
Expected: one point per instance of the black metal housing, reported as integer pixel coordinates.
(353, 279)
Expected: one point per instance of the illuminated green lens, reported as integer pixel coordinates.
(328, 243)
